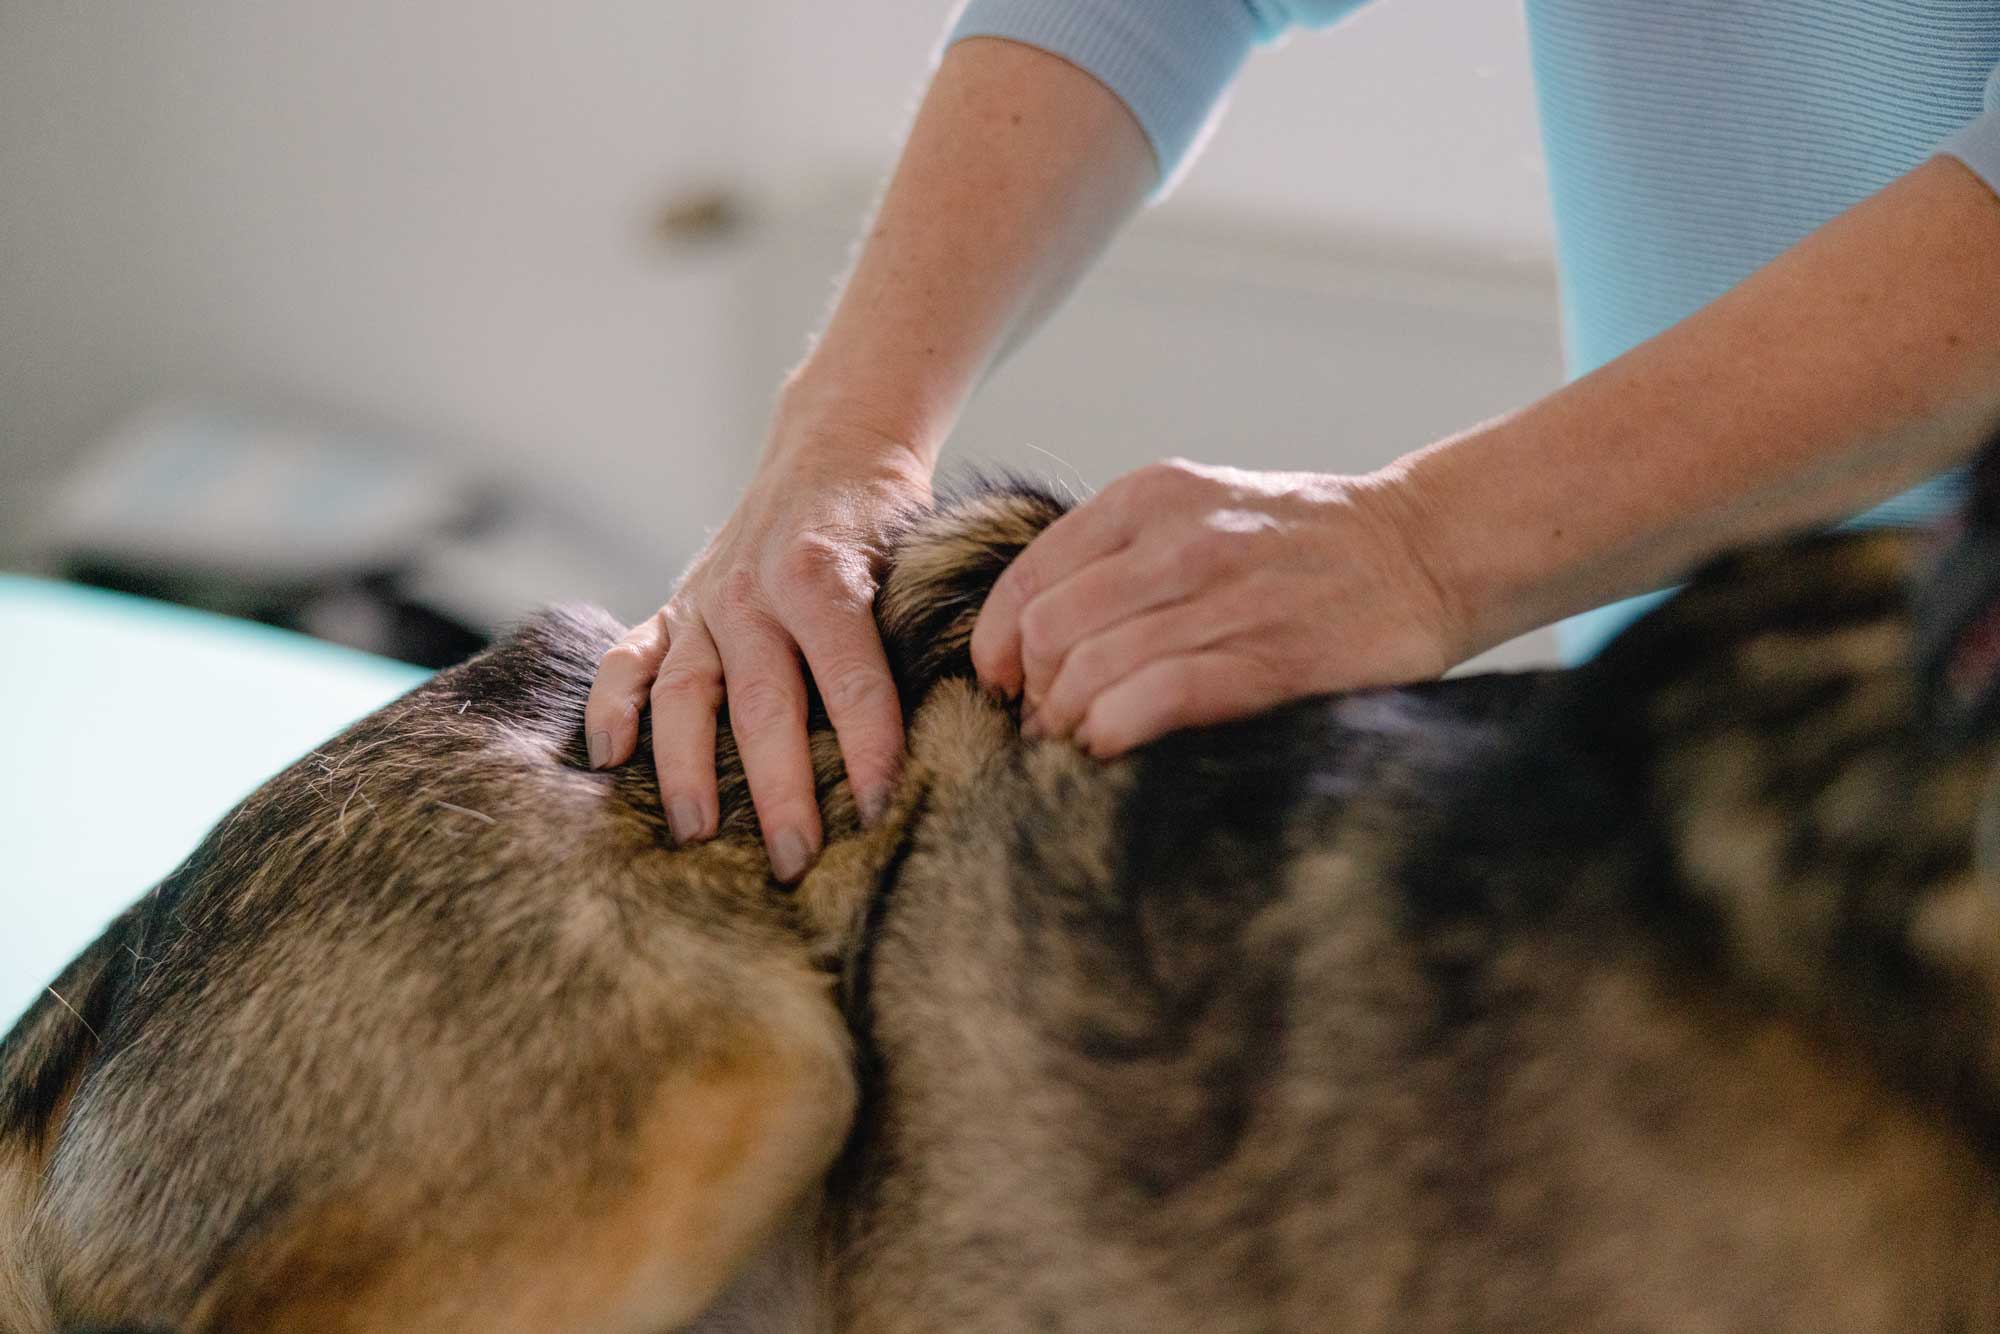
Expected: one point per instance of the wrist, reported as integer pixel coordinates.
(1506, 548)
(818, 418)
(1420, 528)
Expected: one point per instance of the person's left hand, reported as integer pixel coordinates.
(1182, 595)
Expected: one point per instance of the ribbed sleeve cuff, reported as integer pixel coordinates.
(1978, 147)
(1169, 61)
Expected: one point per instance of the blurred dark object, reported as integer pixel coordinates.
(699, 216)
(1957, 610)
(348, 535)
(368, 613)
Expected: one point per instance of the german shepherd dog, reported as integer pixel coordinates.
(1656, 995)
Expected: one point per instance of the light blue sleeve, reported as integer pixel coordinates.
(1978, 144)
(1169, 61)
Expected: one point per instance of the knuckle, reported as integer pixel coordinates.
(1054, 679)
(763, 704)
(1182, 483)
(1128, 491)
(1022, 579)
(1212, 549)
(1140, 494)
(810, 559)
(681, 681)
(853, 597)
(623, 656)
(820, 577)
(1065, 704)
(1038, 630)
(1088, 663)
(739, 593)
(1187, 561)
(1105, 498)
(679, 618)
(852, 686)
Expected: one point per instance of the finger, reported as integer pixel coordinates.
(1105, 592)
(843, 650)
(767, 712)
(1106, 659)
(685, 696)
(624, 674)
(1090, 531)
(1171, 693)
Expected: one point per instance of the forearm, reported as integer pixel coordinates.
(1860, 361)
(1018, 170)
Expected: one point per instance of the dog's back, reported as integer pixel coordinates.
(1655, 997)
(439, 1030)
(436, 1030)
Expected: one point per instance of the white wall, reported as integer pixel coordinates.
(437, 214)
(1358, 263)
(1413, 118)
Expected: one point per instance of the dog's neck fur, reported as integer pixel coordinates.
(944, 563)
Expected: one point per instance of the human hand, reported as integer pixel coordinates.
(1183, 594)
(791, 575)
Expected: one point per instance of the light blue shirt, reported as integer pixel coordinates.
(1688, 142)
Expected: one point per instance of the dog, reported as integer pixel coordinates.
(1653, 995)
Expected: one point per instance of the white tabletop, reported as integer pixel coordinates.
(128, 728)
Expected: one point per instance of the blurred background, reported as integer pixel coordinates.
(388, 319)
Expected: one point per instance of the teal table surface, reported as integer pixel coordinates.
(127, 729)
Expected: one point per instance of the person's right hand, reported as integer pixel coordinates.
(790, 576)
(1018, 170)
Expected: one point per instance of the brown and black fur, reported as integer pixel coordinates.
(1653, 996)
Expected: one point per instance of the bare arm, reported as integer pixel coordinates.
(1861, 360)
(1018, 169)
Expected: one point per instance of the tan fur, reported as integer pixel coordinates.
(1789, 1163)
(1656, 999)
(24, 1307)
(726, 1150)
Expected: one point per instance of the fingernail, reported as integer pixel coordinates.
(789, 855)
(600, 749)
(684, 818)
(872, 804)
